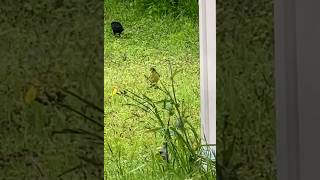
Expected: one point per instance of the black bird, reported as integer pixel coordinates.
(116, 28)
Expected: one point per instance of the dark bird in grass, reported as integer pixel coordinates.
(164, 152)
(116, 28)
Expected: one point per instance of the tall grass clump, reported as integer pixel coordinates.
(181, 155)
(166, 7)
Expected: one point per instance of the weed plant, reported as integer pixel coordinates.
(181, 141)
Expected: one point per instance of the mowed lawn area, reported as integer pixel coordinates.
(148, 40)
(245, 86)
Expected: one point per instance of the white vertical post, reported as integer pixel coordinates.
(207, 22)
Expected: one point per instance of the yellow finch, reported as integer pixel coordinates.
(115, 90)
(32, 91)
(154, 77)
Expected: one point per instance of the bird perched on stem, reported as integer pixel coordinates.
(116, 28)
(154, 77)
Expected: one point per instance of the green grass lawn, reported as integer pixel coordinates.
(245, 86)
(148, 41)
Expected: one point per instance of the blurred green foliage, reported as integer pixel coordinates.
(245, 90)
(47, 41)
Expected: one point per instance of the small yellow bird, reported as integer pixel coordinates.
(154, 77)
(115, 90)
(32, 91)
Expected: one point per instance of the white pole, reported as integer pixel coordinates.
(207, 22)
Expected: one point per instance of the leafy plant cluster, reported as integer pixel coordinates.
(182, 148)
